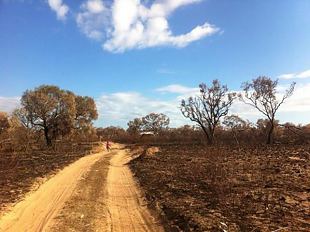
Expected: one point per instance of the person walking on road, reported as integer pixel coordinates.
(108, 145)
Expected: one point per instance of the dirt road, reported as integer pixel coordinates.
(96, 193)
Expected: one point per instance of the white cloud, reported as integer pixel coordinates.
(130, 24)
(93, 19)
(301, 75)
(8, 104)
(179, 89)
(60, 8)
(95, 6)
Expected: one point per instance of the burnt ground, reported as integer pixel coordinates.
(20, 172)
(198, 188)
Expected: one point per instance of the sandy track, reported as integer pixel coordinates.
(36, 211)
(126, 208)
(104, 192)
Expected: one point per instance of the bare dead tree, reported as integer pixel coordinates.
(261, 93)
(207, 109)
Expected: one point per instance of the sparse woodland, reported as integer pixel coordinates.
(54, 127)
(49, 116)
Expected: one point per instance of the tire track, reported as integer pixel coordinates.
(127, 209)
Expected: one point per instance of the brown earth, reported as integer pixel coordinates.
(199, 188)
(96, 193)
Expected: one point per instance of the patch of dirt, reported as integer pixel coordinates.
(200, 188)
(86, 209)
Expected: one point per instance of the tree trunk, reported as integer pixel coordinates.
(210, 140)
(270, 133)
(210, 135)
(205, 130)
(236, 138)
(47, 138)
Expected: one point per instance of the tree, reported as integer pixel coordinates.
(155, 122)
(261, 93)
(86, 112)
(4, 122)
(20, 116)
(49, 109)
(135, 126)
(21, 137)
(236, 124)
(207, 109)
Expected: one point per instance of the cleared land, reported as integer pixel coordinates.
(200, 188)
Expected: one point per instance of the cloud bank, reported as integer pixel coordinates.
(177, 89)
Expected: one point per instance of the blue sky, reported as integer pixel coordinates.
(86, 46)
